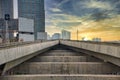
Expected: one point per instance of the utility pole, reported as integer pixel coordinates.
(77, 34)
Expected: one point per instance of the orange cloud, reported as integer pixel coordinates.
(107, 30)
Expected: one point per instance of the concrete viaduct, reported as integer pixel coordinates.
(105, 56)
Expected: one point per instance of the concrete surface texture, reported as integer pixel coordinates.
(107, 51)
(64, 59)
(63, 67)
(61, 77)
(66, 68)
(65, 63)
(9, 54)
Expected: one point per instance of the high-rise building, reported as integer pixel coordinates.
(49, 37)
(56, 36)
(6, 7)
(12, 27)
(0, 9)
(26, 29)
(33, 9)
(66, 35)
(96, 39)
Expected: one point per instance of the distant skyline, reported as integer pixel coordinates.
(93, 18)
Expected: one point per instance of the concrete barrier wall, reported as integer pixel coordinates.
(64, 59)
(108, 49)
(61, 77)
(65, 68)
(7, 55)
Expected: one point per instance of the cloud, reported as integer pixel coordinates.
(49, 24)
(52, 29)
(98, 4)
(100, 16)
(55, 10)
(68, 25)
(93, 18)
(112, 24)
(56, 18)
(63, 21)
(63, 2)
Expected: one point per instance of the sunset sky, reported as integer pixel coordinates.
(93, 18)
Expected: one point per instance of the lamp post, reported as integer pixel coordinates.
(77, 34)
(7, 18)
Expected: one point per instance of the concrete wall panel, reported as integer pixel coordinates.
(108, 49)
(7, 55)
(61, 77)
(66, 68)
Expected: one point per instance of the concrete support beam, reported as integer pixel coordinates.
(66, 68)
(105, 58)
(63, 59)
(61, 77)
(55, 53)
(16, 62)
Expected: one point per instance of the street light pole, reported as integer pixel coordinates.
(7, 33)
(7, 18)
(77, 34)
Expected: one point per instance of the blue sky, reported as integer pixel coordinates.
(93, 18)
(88, 16)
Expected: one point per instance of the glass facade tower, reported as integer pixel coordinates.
(33, 9)
(6, 7)
(66, 35)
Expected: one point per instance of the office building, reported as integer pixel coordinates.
(56, 36)
(6, 7)
(33, 9)
(66, 35)
(25, 33)
(96, 39)
(12, 28)
(18, 29)
(42, 36)
(49, 37)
